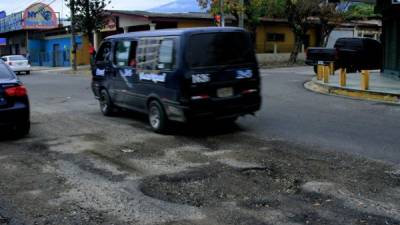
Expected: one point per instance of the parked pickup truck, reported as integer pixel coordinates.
(354, 54)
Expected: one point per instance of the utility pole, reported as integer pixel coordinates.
(222, 9)
(73, 34)
(241, 15)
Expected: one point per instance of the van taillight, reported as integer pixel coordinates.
(18, 91)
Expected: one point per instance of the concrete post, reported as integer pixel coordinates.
(275, 48)
(326, 74)
(364, 80)
(332, 68)
(320, 72)
(126, 30)
(343, 77)
(302, 48)
(152, 26)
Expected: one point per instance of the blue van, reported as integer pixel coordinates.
(179, 75)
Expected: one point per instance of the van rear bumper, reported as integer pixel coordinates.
(213, 109)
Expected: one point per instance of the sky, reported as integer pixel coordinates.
(11, 6)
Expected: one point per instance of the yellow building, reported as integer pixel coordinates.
(275, 36)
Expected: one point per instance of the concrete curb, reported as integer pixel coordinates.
(352, 93)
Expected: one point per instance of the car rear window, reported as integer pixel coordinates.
(17, 57)
(5, 72)
(219, 49)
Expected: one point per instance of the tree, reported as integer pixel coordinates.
(330, 16)
(360, 11)
(89, 15)
(253, 9)
(298, 14)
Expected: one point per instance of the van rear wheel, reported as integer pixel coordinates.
(157, 117)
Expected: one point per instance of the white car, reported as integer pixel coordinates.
(17, 63)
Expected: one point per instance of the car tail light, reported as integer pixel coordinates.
(200, 97)
(18, 91)
(249, 91)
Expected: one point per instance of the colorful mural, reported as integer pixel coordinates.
(39, 16)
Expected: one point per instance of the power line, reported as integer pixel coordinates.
(24, 5)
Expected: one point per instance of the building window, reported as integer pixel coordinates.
(276, 37)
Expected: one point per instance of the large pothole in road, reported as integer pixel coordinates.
(218, 183)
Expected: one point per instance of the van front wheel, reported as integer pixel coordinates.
(157, 117)
(106, 105)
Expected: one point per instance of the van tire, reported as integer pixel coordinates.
(157, 117)
(106, 105)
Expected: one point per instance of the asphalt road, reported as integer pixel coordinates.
(297, 162)
(291, 113)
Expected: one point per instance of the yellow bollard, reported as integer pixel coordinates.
(332, 68)
(364, 80)
(343, 77)
(320, 72)
(326, 74)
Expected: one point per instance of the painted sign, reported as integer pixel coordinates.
(11, 23)
(111, 24)
(39, 16)
(3, 41)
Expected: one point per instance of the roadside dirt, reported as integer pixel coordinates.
(191, 179)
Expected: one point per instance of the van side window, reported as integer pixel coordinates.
(155, 53)
(166, 54)
(125, 54)
(104, 52)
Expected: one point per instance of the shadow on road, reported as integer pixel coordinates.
(193, 129)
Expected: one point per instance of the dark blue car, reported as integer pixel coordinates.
(179, 75)
(14, 104)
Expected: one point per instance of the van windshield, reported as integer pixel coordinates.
(219, 49)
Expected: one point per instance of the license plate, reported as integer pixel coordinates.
(225, 92)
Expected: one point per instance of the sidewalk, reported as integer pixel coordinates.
(85, 70)
(381, 88)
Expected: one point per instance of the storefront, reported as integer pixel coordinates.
(39, 32)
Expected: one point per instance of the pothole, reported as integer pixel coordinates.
(215, 184)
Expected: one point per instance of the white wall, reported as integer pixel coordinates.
(339, 33)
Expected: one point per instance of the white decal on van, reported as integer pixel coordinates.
(100, 72)
(243, 74)
(126, 72)
(153, 77)
(200, 78)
